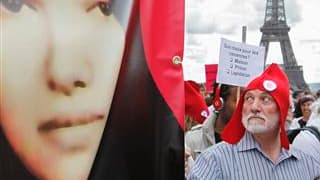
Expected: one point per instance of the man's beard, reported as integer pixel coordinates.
(255, 127)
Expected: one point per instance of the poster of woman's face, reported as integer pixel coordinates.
(60, 60)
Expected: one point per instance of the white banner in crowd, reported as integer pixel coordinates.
(239, 63)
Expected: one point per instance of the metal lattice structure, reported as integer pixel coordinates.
(275, 29)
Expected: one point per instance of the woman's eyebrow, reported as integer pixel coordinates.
(97, 1)
(33, 1)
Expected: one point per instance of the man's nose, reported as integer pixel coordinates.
(255, 106)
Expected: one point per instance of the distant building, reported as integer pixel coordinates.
(314, 87)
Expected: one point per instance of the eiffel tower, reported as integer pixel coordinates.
(275, 29)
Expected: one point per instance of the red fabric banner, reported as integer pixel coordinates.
(162, 24)
(211, 75)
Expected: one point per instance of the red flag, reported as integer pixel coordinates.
(211, 75)
(162, 24)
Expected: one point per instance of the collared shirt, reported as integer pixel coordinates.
(247, 161)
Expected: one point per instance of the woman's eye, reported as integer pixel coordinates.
(15, 5)
(105, 7)
(12, 5)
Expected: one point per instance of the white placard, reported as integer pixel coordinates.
(239, 63)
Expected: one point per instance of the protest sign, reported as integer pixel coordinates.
(239, 63)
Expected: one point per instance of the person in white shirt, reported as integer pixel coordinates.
(305, 140)
(304, 104)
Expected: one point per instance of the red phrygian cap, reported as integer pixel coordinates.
(196, 106)
(274, 81)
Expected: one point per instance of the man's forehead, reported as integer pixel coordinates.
(257, 92)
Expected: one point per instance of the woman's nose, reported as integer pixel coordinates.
(67, 65)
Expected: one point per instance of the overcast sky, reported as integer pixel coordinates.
(211, 20)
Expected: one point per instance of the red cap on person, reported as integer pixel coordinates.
(195, 105)
(274, 81)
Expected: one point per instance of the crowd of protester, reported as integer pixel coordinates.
(210, 146)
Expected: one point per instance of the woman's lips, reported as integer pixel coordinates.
(73, 133)
(68, 121)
